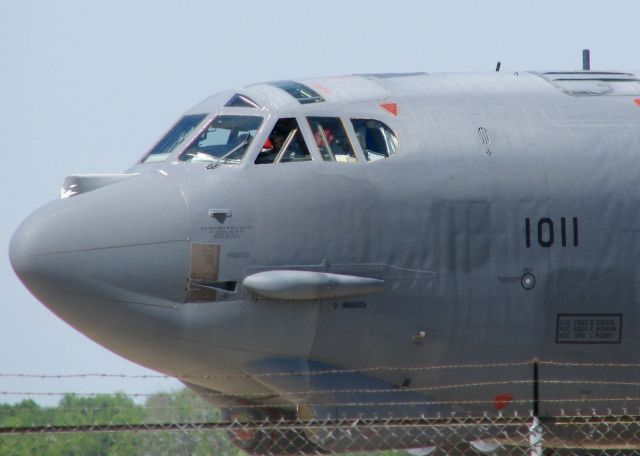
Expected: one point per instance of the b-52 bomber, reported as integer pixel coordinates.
(365, 246)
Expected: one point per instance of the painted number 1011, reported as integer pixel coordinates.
(547, 233)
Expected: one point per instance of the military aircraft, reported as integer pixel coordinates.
(367, 245)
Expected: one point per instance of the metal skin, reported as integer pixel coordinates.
(470, 226)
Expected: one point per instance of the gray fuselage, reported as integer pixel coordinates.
(504, 229)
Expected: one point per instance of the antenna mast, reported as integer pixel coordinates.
(586, 60)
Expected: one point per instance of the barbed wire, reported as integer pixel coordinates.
(213, 416)
(525, 433)
(323, 372)
(359, 402)
(426, 402)
(447, 421)
(408, 389)
(452, 435)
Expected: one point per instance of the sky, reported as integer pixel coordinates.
(87, 87)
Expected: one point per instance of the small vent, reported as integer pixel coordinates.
(354, 305)
(484, 136)
(229, 285)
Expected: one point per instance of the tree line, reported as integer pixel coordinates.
(175, 407)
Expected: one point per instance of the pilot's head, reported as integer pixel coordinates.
(320, 140)
(278, 138)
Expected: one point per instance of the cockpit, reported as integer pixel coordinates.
(241, 132)
(174, 138)
(224, 140)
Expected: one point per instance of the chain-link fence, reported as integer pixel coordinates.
(571, 409)
(499, 434)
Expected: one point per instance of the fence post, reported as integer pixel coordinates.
(536, 389)
(535, 438)
(536, 430)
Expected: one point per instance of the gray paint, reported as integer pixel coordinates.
(442, 223)
(82, 183)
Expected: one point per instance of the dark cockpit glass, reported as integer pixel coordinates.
(376, 138)
(331, 139)
(285, 144)
(225, 140)
(173, 138)
(300, 92)
(241, 101)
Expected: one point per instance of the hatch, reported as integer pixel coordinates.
(302, 93)
(592, 83)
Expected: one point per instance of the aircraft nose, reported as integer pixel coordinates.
(127, 242)
(20, 249)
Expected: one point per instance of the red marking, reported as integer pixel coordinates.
(243, 435)
(268, 144)
(322, 89)
(637, 101)
(318, 137)
(391, 107)
(502, 400)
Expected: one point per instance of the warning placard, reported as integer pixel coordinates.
(589, 329)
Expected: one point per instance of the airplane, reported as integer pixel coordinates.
(363, 246)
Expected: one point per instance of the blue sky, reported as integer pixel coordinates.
(87, 87)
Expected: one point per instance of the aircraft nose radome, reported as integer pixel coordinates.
(125, 242)
(21, 249)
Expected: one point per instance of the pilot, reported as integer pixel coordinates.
(324, 141)
(320, 140)
(278, 138)
(271, 147)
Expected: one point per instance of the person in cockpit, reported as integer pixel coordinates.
(271, 147)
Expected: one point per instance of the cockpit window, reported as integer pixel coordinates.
(225, 140)
(331, 139)
(241, 101)
(300, 92)
(285, 144)
(173, 138)
(376, 139)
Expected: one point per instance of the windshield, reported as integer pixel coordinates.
(224, 141)
(173, 138)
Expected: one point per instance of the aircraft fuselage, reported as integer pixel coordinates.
(503, 229)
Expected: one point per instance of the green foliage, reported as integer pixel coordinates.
(176, 407)
(72, 410)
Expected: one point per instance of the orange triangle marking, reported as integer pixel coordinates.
(391, 107)
(502, 400)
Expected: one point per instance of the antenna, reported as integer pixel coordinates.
(498, 66)
(586, 60)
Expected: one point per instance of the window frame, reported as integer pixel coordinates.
(267, 129)
(287, 142)
(188, 138)
(391, 127)
(307, 134)
(348, 129)
(230, 111)
(355, 143)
